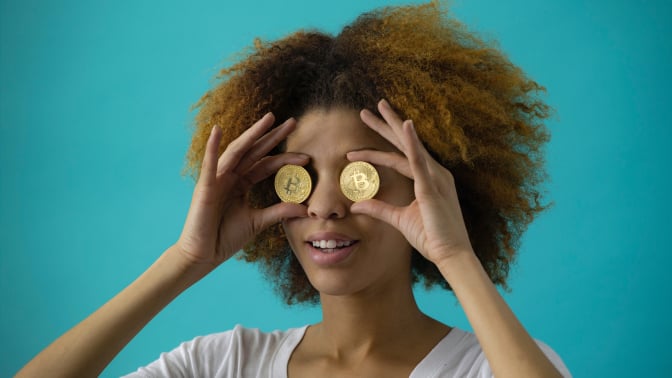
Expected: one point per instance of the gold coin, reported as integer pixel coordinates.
(359, 181)
(292, 183)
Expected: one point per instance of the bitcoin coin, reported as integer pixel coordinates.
(292, 183)
(359, 181)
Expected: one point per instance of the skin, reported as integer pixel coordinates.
(382, 252)
(371, 325)
(358, 295)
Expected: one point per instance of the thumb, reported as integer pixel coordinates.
(379, 210)
(278, 212)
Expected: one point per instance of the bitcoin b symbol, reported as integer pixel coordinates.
(360, 180)
(292, 184)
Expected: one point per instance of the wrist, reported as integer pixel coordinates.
(454, 256)
(458, 263)
(179, 269)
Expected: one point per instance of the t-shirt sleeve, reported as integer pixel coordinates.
(200, 357)
(241, 352)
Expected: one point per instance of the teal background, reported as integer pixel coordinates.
(94, 125)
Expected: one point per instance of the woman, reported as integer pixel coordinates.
(457, 118)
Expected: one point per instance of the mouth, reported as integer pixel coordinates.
(331, 245)
(329, 249)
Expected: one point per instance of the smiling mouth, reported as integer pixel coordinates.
(330, 246)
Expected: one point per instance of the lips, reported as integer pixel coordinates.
(329, 248)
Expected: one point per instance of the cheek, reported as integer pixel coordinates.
(383, 238)
(289, 227)
(396, 190)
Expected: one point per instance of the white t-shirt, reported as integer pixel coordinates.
(244, 352)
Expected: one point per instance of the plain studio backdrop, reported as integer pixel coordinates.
(95, 122)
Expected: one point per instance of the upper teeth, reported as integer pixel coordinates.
(331, 243)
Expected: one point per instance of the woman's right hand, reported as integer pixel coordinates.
(220, 221)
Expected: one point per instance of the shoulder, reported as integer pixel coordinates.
(243, 339)
(459, 354)
(238, 341)
(237, 352)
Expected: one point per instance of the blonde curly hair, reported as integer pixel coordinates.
(476, 112)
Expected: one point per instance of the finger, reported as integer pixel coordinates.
(270, 164)
(277, 213)
(237, 149)
(417, 158)
(393, 120)
(392, 160)
(389, 115)
(209, 164)
(378, 125)
(265, 144)
(379, 210)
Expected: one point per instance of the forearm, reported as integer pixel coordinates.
(88, 348)
(510, 350)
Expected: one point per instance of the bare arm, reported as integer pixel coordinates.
(434, 226)
(218, 224)
(510, 349)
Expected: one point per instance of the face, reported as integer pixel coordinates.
(344, 253)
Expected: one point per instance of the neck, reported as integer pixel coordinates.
(369, 321)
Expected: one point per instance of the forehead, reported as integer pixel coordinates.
(334, 131)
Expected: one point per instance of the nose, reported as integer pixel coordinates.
(327, 201)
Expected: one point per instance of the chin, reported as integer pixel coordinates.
(334, 283)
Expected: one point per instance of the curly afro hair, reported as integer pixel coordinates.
(476, 112)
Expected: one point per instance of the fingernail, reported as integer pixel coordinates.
(410, 121)
(384, 102)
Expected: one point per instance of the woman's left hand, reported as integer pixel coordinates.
(433, 222)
